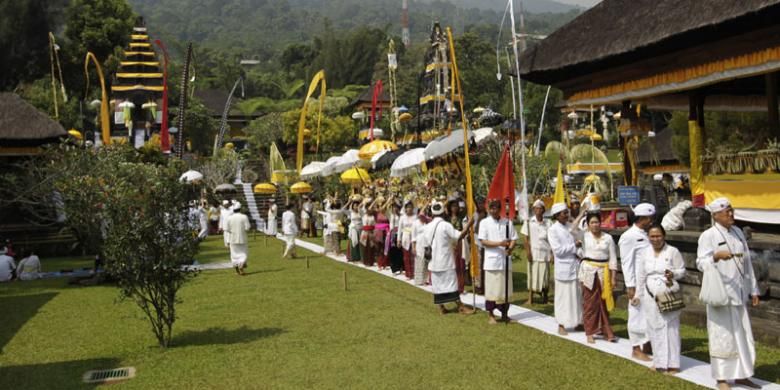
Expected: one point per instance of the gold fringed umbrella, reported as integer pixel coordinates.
(265, 188)
(301, 187)
(370, 149)
(75, 134)
(355, 176)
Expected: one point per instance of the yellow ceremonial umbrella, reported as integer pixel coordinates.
(301, 187)
(265, 188)
(405, 117)
(596, 137)
(229, 145)
(355, 176)
(370, 149)
(75, 134)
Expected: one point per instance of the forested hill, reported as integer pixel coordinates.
(533, 6)
(262, 27)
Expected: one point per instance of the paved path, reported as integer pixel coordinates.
(692, 370)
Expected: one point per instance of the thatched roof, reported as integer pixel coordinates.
(367, 97)
(20, 121)
(617, 32)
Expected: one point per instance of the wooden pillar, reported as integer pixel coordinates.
(626, 113)
(771, 101)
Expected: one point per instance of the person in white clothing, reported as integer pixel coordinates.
(237, 227)
(418, 243)
(289, 230)
(538, 252)
(631, 242)
(441, 236)
(307, 223)
(203, 221)
(7, 265)
(498, 237)
(270, 226)
(662, 267)
(224, 213)
(405, 229)
(723, 249)
(568, 299)
(29, 268)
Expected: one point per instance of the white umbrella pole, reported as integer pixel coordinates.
(541, 122)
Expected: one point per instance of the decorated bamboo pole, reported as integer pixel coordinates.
(165, 142)
(220, 137)
(319, 79)
(473, 261)
(104, 121)
(185, 75)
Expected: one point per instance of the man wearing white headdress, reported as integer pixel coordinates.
(568, 299)
(203, 221)
(441, 236)
(631, 243)
(237, 227)
(225, 211)
(723, 249)
(289, 230)
(538, 251)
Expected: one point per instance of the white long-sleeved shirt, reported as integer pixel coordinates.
(631, 242)
(564, 250)
(737, 273)
(289, 227)
(442, 237)
(236, 226)
(491, 229)
(540, 246)
(596, 249)
(7, 266)
(224, 214)
(651, 276)
(405, 230)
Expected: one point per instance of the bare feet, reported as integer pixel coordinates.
(723, 385)
(465, 310)
(443, 310)
(492, 320)
(747, 383)
(641, 356)
(562, 331)
(591, 340)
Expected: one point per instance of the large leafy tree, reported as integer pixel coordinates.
(23, 41)
(98, 26)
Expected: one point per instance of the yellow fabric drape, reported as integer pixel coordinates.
(754, 192)
(319, 78)
(105, 129)
(696, 145)
(136, 63)
(276, 165)
(139, 37)
(560, 192)
(606, 288)
(139, 75)
(124, 88)
(457, 92)
(139, 44)
(682, 75)
(139, 53)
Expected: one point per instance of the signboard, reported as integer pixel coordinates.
(628, 195)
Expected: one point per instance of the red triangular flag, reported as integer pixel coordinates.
(503, 186)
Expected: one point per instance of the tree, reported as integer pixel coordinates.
(23, 41)
(149, 241)
(99, 26)
(200, 127)
(221, 168)
(121, 206)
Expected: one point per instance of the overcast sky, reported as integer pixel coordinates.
(584, 3)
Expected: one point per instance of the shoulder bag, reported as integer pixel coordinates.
(428, 250)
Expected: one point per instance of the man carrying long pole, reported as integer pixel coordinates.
(498, 237)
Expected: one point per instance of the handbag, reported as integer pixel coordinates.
(428, 250)
(667, 301)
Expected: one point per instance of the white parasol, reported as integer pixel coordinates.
(408, 162)
(445, 144)
(313, 169)
(483, 134)
(191, 176)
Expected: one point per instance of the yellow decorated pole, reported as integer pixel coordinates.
(104, 121)
(474, 261)
(319, 79)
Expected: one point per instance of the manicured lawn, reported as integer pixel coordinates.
(286, 326)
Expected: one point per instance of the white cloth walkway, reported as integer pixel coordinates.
(692, 370)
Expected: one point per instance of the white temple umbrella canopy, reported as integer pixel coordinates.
(407, 162)
(313, 169)
(348, 160)
(483, 134)
(328, 168)
(376, 157)
(225, 188)
(445, 144)
(191, 176)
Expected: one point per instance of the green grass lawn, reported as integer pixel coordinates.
(288, 326)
